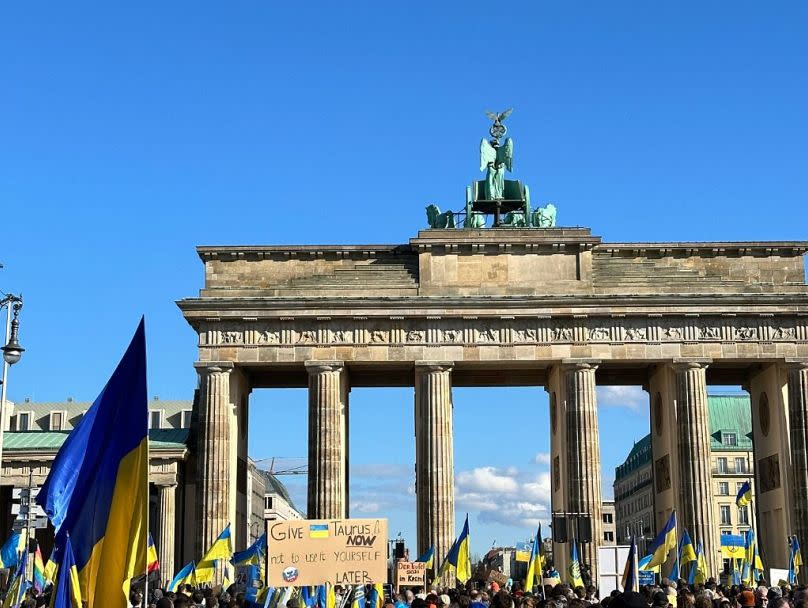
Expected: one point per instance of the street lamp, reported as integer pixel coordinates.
(12, 351)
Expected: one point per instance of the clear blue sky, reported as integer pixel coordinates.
(130, 134)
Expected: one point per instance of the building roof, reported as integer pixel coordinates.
(159, 439)
(274, 486)
(41, 410)
(729, 413)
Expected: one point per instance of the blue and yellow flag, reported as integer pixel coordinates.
(733, 546)
(744, 496)
(574, 570)
(687, 552)
(753, 566)
(359, 600)
(794, 559)
(253, 554)
(186, 576)
(698, 572)
(11, 549)
(326, 597)
(97, 489)
(67, 593)
(631, 580)
(664, 542)
(428, 558)
(535, 564)
(458, 556)
(376, 596)
(221, 549)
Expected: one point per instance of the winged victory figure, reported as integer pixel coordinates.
(495, 157)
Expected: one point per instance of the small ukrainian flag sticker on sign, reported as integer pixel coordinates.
(318, 531)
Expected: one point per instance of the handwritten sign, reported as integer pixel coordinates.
(497, 577)
(411, 574)
(316, 551)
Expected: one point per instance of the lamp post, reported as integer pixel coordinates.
(12, 351)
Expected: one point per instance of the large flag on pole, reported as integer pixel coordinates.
(794, 559)
(221, 549)
(574, 569)
(631, 580)
(458, 556)
(97, 490)
(535, 564)
(67, 593)
(663, 543)
(428, 557)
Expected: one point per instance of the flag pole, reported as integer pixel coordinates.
(146, 554)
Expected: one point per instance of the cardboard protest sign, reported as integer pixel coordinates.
(316, 551)
(410, 574)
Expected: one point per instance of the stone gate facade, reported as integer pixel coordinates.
(553, 307)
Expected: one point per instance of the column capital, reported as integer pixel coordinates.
(580, 364)
(796, 364)
(685, 364)
(433, 366)
(165, 485)
(213, 367)
(319, 367)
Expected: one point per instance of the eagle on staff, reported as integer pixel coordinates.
(496, 158)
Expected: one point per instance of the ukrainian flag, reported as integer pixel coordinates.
(663, 543)
(326, 597)
(458, 556)
(753, 566)
(698, 574)
(318, 531)
(67, 593)
(220, 549)
(253, 554)
(575, 567)
(376, 597)
(687, 552)
(733, 546)
(744, 496)
(186, 576)
(794, 559)
(359, 600)
(11, 549)
(97, 489)
(535, 564)
(428, 558)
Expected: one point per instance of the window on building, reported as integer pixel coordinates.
(743, 515)
(740, 465)
(723, 488)
(155, 419)
(607, 518)
(730, 439)
(56, 421)
(726, 515)
(185, 421)
(24, 421)
(722, 465)
(267, 502)
(608, 536)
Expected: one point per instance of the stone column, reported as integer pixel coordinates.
(695, 512)
(798, 438)
(215, 465)
(166, 526)
(583, 454)
(434, 458)
(328, 440)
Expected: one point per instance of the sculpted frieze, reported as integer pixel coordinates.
(483, 331)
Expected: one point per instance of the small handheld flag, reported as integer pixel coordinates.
(152, 564)
(186, 576)
(221, 549)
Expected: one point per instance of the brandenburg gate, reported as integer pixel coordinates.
(524, 303)
(553, 307)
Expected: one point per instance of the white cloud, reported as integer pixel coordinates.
(631, 397)
(542, 458)
(488, 479)
(505, 496)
